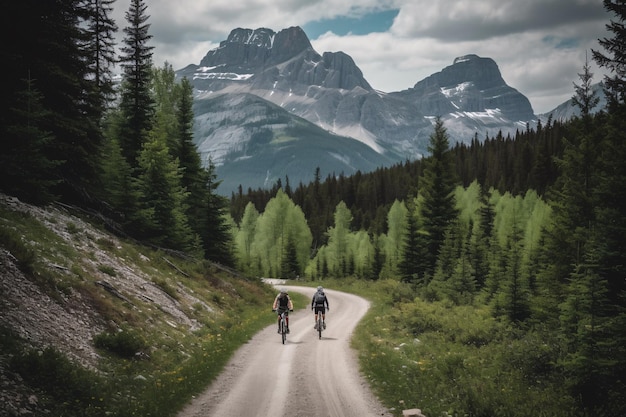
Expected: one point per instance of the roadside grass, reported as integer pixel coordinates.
(149, 365)
(450, 360)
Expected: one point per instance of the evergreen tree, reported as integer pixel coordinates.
(614, 57)
(136, 101)
(412, 249)
(100, 47)
(592, 344)
(215, 230)
(48, 46)
(437, 186)
(290, 267)
(162, 193)
(194, 175)
(513, 299)
(585, 98)
(26, 171)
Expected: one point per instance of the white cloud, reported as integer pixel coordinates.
(539, 45)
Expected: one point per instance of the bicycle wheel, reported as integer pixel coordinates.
(319, 325)
(283, 330)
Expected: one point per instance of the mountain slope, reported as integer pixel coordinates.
(260, 143)
(329, 90)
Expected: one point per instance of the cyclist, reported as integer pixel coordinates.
(319, 305)
(282, 302)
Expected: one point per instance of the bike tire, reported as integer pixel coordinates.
(283, 331)
(319, 327)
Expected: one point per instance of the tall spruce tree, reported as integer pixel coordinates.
(614, 56)
(215, 232)
(26, 171)
(584, 97)
(136, 100)
(437, 186)
(412, 248)
(100, 47)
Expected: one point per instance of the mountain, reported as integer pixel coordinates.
(268, 106)
(567, 110)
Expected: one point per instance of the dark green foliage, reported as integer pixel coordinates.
(26, 170)
(437, 185)
(11, 241)
(69, 390)
(216, 236)
(614, 56)
(136, 101)
(411, 266)
(124, 343)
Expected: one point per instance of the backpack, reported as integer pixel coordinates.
(320, 297)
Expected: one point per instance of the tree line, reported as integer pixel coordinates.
(71, 132)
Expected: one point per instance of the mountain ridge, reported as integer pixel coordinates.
(329, 90)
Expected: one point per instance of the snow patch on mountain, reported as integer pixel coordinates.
(454, 91)
(204, 73)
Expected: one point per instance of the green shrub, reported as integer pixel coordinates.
(12, 241)
(124, 343)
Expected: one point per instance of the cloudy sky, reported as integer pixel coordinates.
(539, 45)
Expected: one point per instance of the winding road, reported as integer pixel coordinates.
(306, 377)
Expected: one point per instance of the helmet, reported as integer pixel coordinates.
(320, 288)
(283, 291)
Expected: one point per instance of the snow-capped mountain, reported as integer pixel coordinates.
(268, 106)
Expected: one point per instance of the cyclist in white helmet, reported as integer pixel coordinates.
(319, 305)
(282, 302)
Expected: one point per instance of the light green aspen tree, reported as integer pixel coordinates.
(392, 242)
(281, 221)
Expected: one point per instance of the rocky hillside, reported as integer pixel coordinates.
(77, 281)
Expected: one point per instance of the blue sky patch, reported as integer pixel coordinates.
(343, 25)
(562, 43)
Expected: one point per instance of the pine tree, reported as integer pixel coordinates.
(100, 47)
(26, 171)
(162, 193)
(136, 101)
(614, 57)
(412, 249)
(437, 191)
(585, 98)
(215, 231)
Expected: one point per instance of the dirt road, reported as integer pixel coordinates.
(305, 377)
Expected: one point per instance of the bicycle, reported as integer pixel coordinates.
(320, 324)
(282, 325)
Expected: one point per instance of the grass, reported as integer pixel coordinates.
(452, 360)
(446, 360)
(150, 366)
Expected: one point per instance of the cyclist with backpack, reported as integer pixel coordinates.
(282, 303)
(319, 305)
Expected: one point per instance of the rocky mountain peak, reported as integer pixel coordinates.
(261, 37)
(248, 50)
(472, 84)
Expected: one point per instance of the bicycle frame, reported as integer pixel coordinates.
(283, 326)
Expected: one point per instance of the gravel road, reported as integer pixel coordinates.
(305, 377)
